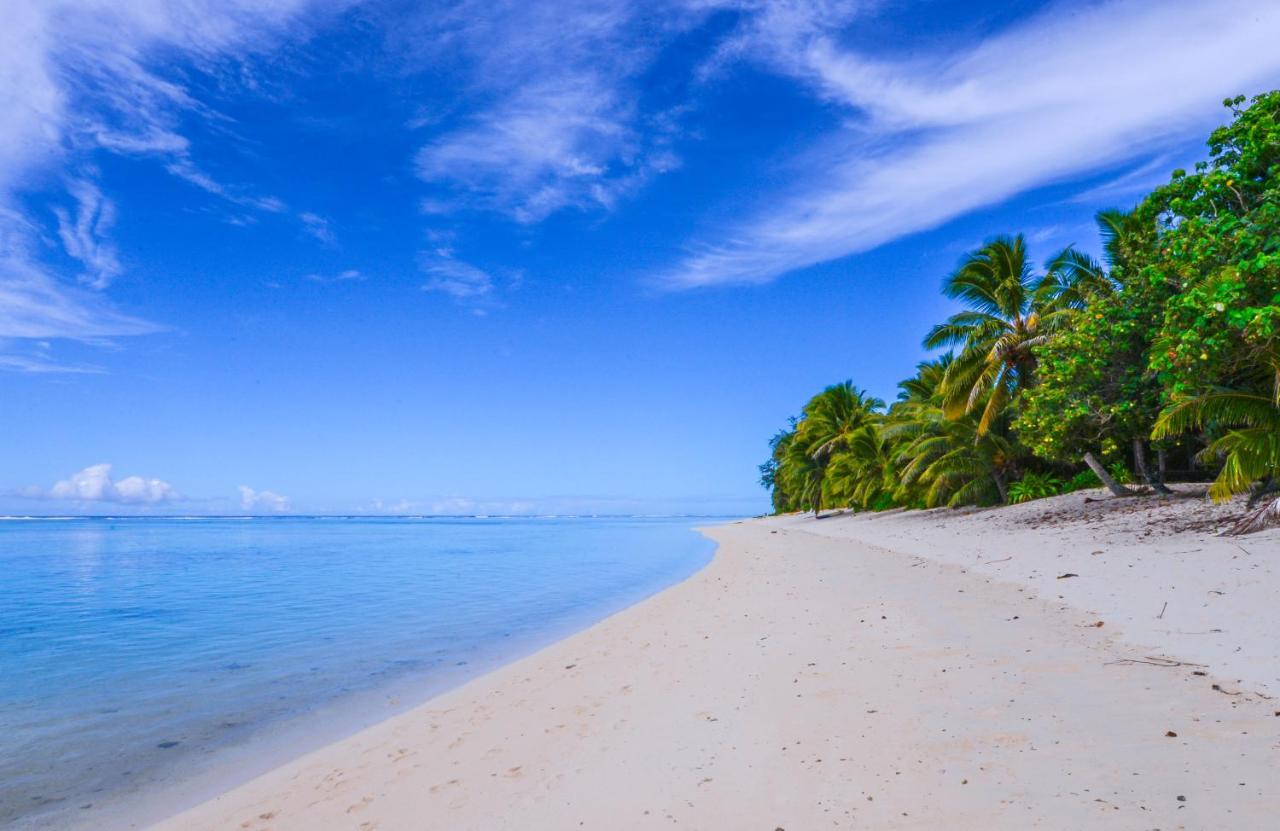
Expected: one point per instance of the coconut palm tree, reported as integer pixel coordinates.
(833, 416)
(827, 427)
(863, 475)
(1248, 424)
(941, 460)
(1011, 311)
(1073, 277)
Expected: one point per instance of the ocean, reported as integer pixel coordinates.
(140, 656)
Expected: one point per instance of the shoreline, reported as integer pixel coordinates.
(216, 770)
(747, 695)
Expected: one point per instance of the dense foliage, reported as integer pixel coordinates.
(1171, 343)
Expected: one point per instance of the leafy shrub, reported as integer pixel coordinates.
(1120, 473)
(1083, 480)
(1034, 486)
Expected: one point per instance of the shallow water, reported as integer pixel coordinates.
(134, 651)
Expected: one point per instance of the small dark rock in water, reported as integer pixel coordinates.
(167, 745)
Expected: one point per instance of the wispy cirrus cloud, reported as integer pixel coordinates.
(560, 124)
(933, 137)
(318, 227)
(78, 77)
(85, 233)
(459, 280)
(349, 275)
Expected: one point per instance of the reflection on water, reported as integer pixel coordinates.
(130, 645)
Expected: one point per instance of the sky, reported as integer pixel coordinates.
(331, 256)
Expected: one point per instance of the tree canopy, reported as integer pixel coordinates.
(1172, 338)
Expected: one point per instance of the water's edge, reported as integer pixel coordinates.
(227, 768)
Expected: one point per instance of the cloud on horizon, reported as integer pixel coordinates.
(94, 484)
(255, 500)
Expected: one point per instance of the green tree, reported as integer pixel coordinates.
(941, 460)
(1011, 311)
(1219, 244)
(1248, 441)
(1096, 394)
(802, 457)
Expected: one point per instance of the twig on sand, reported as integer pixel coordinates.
(1162, 608)
(989, 562)
(1155, 661)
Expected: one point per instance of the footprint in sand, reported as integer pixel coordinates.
(361, 805)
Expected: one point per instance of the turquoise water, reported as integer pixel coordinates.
(133, 651)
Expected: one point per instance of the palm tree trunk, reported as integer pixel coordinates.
(1264, 517)
(998, 476)
(1112, 485)
(1140, 461)
(1162, 464)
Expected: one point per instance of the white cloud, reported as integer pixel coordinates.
(256, 500)
(348, 276)
(33, 304)
(94, 484)
(84, 235)
(1076, 89)
(76, 78)
(562, 127)
(318, 227)
(41, 365)
(459, 280)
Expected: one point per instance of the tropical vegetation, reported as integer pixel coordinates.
(1166, 351)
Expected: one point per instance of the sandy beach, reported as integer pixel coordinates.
(1063, 664)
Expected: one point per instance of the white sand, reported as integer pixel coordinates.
(808, 680)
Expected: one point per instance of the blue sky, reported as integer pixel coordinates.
(334, 256)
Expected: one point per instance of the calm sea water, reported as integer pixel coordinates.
(137, 652)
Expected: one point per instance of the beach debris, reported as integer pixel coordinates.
(1155, 661)
(1162, 608)
(570, 666)
(1218, 688)
(1068, 574)
(1170, 734)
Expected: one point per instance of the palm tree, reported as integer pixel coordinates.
(826, 428)
(863, 475)
(833, 416)
(1011, 311)
(941, 460)
(1249, 447)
